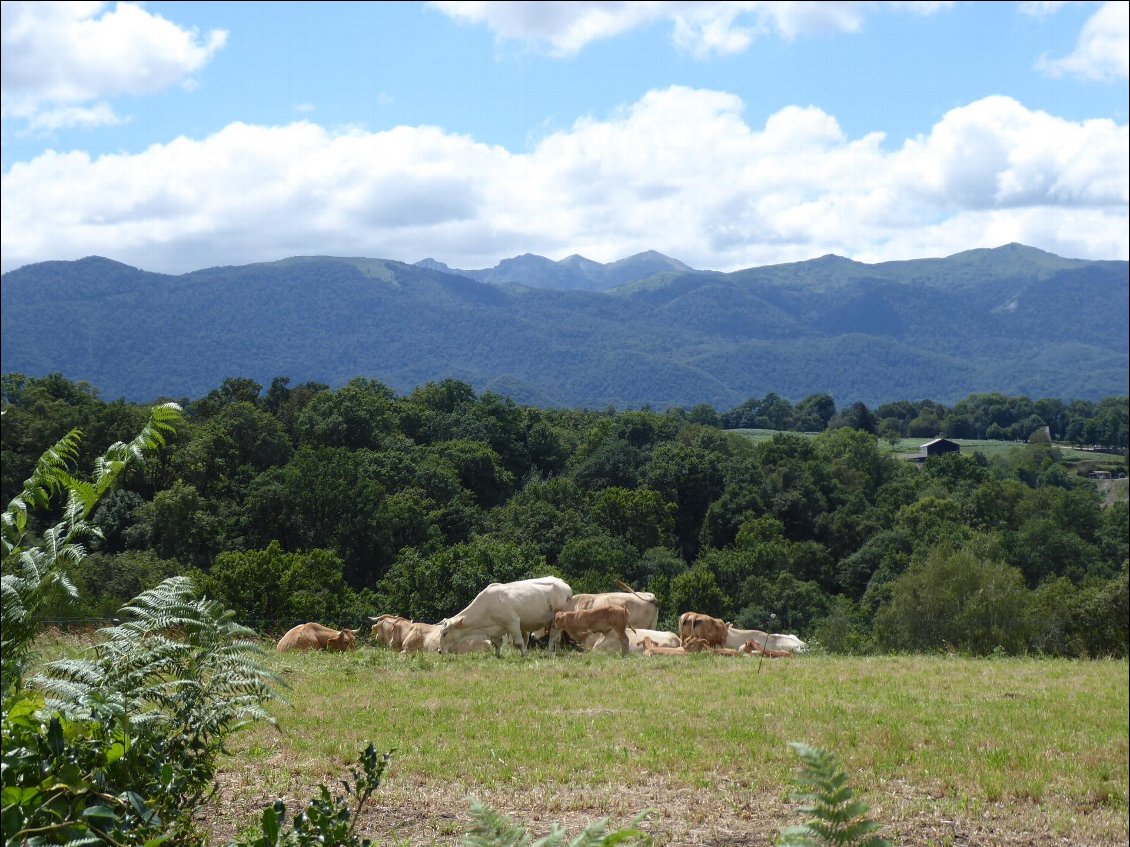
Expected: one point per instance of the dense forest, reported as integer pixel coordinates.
(295, 503)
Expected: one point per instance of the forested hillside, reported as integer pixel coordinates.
(299, 502)
(1014, 320)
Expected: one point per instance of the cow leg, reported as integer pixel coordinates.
(514, 629)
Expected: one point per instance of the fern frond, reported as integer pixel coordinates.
(490, 828)
(162, 420)
(50, 473)
(838, 818)
(493, 829)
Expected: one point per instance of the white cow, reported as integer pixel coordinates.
(507, 609)
(735, 638)
(643, 608)
(602, 642)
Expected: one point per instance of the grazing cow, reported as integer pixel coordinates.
(510, 608)
(643, 608)
(650, 648)
(579, 624)
(314, 636)
(605, 642)
(752, 648)
(735, 638)
(711, 630)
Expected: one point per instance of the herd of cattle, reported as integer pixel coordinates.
(513, 611)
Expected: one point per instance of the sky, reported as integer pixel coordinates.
(179, 136)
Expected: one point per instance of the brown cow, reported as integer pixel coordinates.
(580, 624)
(314, 636)
(650, 648)
(712, 630)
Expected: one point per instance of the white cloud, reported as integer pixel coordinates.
(49, 120)
(701, 28)
(681, 170)
(1041, 8)
(59, 55)
(1103, 50)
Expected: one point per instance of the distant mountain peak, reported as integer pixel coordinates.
(573, 273)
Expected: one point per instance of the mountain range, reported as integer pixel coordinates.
(647, 330)
(573, 273)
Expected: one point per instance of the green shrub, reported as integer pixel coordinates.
(123, 747)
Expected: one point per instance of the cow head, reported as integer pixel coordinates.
(346, 639)
(449, 629)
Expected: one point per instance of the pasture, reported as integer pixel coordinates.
(946, 750)
(991, 448)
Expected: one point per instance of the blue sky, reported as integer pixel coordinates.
(174, 136)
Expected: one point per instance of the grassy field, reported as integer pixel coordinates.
(946, 750)
(907, 447)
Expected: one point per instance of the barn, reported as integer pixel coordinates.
(937, 447)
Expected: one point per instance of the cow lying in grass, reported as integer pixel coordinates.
(579, 625)
(314, 636)
(650, 648)
(736, 638)
(752, 648)
(605, 642)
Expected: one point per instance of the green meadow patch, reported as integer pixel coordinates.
(943, 748)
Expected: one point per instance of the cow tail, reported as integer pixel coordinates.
(625, 587)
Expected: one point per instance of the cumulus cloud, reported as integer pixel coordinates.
(701, 28)
(680, 170)
(58, 55)
(1103, 50)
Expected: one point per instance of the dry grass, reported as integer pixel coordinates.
(946, 750)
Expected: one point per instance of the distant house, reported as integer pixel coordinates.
(1100, 475)
(937, 447)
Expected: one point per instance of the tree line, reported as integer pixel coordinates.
(300, 503)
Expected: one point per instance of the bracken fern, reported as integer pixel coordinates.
(493, 829)
(32, 573)
(839, 820)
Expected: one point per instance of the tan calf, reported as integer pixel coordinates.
(580, 624)
(752, 648)
(650, 648)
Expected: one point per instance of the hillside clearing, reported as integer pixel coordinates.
(946, 750)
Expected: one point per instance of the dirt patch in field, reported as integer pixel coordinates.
(423, 813)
